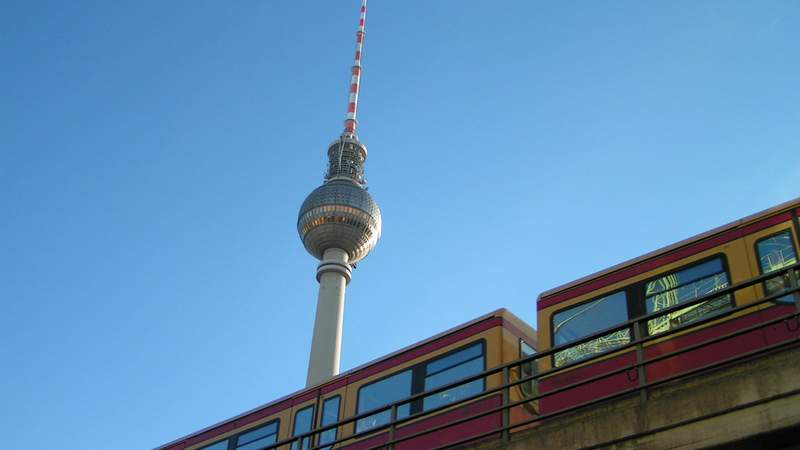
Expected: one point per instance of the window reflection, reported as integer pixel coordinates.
(588, 318)
(221, 445)
(449, 369)
(422, 377)
(330, 415)
(303, 421)
(527, 369)
(775, 253)
(258, 438)
(380, 393)
(683, 286)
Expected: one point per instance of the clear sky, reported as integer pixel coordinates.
(154, 155)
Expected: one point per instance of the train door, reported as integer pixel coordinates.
(303, 419)
(772, 250)
(331, 407)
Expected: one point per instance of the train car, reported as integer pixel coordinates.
(590, 325)
(469, 349)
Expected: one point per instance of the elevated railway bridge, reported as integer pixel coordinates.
(747, 399)
(696, 345)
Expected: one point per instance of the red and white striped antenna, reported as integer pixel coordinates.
(351, 123)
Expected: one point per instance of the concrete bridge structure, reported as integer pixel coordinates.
(754, 404)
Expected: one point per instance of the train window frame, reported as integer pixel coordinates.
(419, 405)
(306, 442)
(642, 285)
(788, 298)
(528, 388)
(234, 441)
(628, 312)
(417, 381)
(227, 443)
(378, 380)
(322, 423)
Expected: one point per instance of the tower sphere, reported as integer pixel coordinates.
(339, 214)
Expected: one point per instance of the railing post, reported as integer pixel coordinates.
(392, 427)
(506, 399)
(641, 373)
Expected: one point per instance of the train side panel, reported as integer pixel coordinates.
(733, 250)
(491, 340)
(476, 346)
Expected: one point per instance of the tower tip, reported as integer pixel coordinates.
(351, 123)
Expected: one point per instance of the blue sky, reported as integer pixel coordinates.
(153, 156)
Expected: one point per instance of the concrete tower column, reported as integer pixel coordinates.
(339, 224)
(333, 274)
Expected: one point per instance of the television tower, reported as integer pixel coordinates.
(339, 224)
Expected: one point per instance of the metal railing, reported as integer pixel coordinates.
(505, 371)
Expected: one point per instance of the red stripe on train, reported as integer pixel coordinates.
(646, 266)
(674, 365)
(240, 422)
(431, 347)
(474, 427)
(360, 375)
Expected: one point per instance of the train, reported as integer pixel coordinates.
(468, 349)
(699, 304)
(591, 322)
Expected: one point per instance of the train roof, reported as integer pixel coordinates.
(786, 206)
(508, 319)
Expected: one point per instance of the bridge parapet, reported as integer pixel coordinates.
(726, 407)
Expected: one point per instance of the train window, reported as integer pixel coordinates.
(682, 286)
(380, 393)
(453, 367)
(527, 369)
(590, 317)
(257, 438)
(221, 445)
(774, 253)
(330, 414)
(303, 420)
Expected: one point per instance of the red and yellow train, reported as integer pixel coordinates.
(466, 350)
(696, 304)
(572, 318)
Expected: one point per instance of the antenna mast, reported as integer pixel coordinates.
(351, 123)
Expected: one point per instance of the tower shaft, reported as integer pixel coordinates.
(339, 223)
(333, 274)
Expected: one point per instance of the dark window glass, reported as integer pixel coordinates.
(588, 318)
(527, 369)
(258, 438)
(474, 351)
(221, 445)
(446, 370)
(380, 393)
(303, 420)
(330, 414)
(682, 286)
(775, 253)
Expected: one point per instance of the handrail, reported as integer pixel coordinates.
(661, 312)
(595, 401)
(505, 370)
